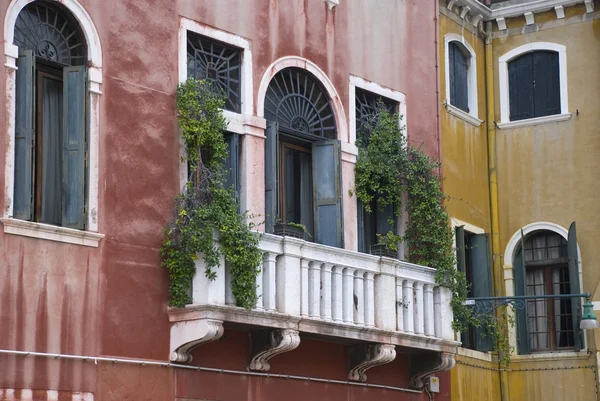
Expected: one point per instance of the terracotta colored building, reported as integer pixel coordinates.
(91, 164)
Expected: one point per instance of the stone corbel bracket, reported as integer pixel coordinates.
(425, 365)
(365, 356)
(267, 344)
(187, 335)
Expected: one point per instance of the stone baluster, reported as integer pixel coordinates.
(337, 294)
(437, 312)
(428, 309)
(359, 298)
(348, 295)
(304, 265)
(314, 289)
(408, 300)
(259, 288)
(400, 302)
(326, 291)
(418, 307)
(369, 288)
(269, 285)
(229, 298)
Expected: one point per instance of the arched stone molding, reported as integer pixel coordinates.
(299, 62)
(94, 56)
(509, 254)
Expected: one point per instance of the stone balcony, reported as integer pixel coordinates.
(373, 303)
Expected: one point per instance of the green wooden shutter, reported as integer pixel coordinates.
(546, 78)
(481, 262)
(232, 163)
(574, 285)
(24, 136)
(271, 144)
(327, 192)
(460, 249)
(521, 87)
(74, 147)
(384, 215)
(360, 222)
(519, 277)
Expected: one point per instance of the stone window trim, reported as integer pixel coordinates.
(88, 237)
(472, 117)
(503, 61)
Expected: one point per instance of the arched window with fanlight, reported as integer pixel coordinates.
(302, 158)
(546, 264)
(50, 117)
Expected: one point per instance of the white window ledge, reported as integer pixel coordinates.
(550, 356)
(469, 353)
(455, 111)
(535, 121)
(51, 233)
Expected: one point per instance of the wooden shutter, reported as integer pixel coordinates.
(383, 216)
(361, 227)
(460, 249)
(481, 286)
(546, 78)
(24, 136)
(327, 192)
(451, 72)
(519, 276)
(460, 87)
(271, 145)
(521, 87)
(232, 163)
(74, 147)
(574, 284)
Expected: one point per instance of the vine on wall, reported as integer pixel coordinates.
(387, 169)
(207, 209)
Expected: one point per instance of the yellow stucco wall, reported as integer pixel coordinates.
(464, 146)
(545, 173)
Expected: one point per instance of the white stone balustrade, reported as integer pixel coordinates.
(317, 283)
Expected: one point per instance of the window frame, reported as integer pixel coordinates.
(505, 122)
(89, 236)
(472, 117)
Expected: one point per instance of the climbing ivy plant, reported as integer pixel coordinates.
(387, 169)
(208, 210)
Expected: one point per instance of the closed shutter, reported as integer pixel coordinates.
(74, 147)
(232, 164)
(384, 216)
(460, 249)
(327, 192)
(271, 146)
(24, 136)
(574, 285)
(481, 263)
(546, 83)
(521, 87)
(458, 78)
(361, 227)
(519, 281)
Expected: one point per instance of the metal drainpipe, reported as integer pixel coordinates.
(493, 179)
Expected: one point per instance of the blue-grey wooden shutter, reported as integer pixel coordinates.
(521, 87)
(360, 222)
(520, 279)
(481, 266)
(74, 147)
(327, 190)
(574, 285)
(451, 71)
(546, 80)
(232, 164)
(459, 87)
(271, 144)
(460, 249)
(24, 136)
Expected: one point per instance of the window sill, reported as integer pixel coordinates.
(51, 233)
(550, 356)
(456, 112)
(534, 121)
(470, 353)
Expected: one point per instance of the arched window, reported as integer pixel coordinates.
(50, 117)
(302, 158)
(547, 265)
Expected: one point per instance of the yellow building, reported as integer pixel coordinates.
(520, 87)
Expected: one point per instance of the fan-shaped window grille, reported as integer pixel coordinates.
(296, 100)
(366, 106)
(217, 63)
(50, 33)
